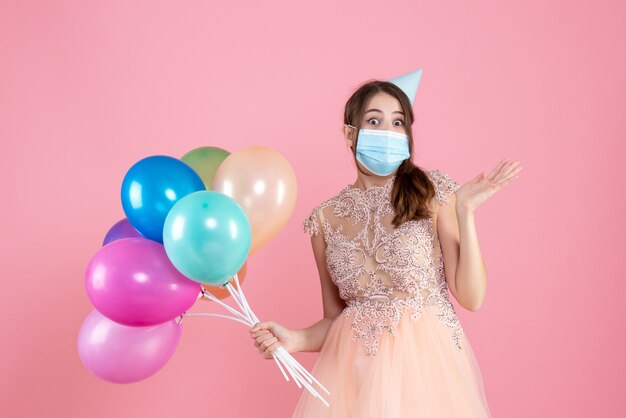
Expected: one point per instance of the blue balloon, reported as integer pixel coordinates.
(207, 237)
(151, 187)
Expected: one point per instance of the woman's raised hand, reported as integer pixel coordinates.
(473, 193)
(269, 335)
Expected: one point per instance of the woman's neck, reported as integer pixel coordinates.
(365, 181)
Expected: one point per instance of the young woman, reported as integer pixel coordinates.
(387, 249)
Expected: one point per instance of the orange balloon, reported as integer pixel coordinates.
(221, 292)
(262, 181)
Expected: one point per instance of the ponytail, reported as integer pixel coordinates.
(411, 191)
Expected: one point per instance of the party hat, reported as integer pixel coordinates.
(408, 83)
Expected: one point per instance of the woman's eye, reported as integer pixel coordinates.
(401, 122)
(370, 120)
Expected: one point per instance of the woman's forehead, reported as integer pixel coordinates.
(384, 103)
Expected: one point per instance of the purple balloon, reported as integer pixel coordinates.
(121, 354)
(132, 281)
(122, 229)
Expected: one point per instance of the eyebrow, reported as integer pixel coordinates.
(377, 110)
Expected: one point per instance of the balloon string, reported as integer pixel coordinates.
(217, 315)
(211, 297)
(283, 359)
(280, 366)
(301, 368)
(306, 373)
(295, 369)
(239, 295)
(289, 360)
(292, 372)
(235, 296)
(243, 298)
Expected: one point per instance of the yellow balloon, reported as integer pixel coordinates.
(262, 181)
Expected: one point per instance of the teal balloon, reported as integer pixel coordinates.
(207, 237)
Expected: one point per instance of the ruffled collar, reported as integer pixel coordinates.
(373, 196)
(374, 189)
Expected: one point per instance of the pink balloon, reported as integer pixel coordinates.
(121, 354)
(132, 281)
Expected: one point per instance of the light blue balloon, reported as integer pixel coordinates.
(207, 237)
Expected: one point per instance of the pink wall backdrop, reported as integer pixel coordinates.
(87, 88)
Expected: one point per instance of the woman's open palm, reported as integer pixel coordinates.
(473, 193)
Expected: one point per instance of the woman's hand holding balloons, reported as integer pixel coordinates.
(269, 335)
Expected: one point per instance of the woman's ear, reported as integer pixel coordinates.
(349, 135)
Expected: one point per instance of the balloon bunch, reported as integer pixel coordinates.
(190, 225)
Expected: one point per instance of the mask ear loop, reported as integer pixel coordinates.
(353, 127)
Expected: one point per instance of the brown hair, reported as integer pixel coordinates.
(412, 188)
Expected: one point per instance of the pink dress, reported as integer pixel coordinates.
(398, 349)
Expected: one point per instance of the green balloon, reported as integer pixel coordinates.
(207, 237)
(205, 161)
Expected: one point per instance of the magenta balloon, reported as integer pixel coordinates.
(122, 229)
(121, 354)
(133, 282)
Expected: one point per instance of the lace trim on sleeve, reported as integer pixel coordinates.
(311, 225)
(444, 185)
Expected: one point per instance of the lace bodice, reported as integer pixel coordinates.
(381, 270)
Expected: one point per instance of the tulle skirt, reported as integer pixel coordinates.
(418, 373)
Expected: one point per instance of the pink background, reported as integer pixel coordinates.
(87, 88)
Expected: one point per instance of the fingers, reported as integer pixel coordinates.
(510, 173)
(261, 325)
(494, 172)
(504, 170)
(267, 344)
(269, 351)
(498, 169)
(479, 177)
(264, 339)
(256, 334)
(260, 340)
